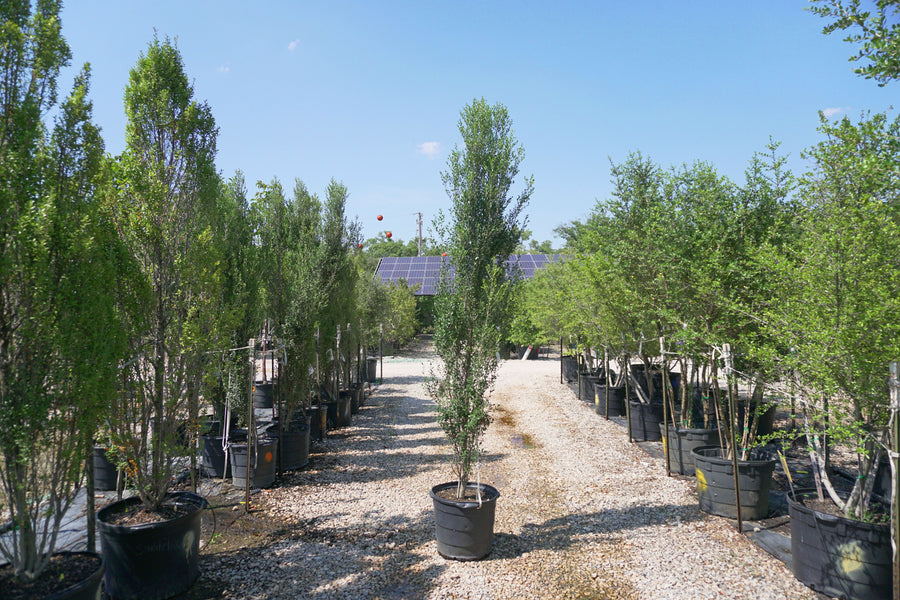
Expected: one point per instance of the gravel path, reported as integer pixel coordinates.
(582, 513)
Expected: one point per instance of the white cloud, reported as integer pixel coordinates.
(429, 149)
(293, 45)
(225, 69)
(831, 112)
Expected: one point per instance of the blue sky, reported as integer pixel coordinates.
(369, 93)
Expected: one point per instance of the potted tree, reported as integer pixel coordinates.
(471, 310)
(840, 296)
(59, 346)
(224, 388)
(737, 448)
(302, 309)
(163, 206)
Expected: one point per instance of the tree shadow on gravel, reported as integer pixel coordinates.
(564, 532)
(400, 464)
(389, 446)
(393, 386)
(319, 559)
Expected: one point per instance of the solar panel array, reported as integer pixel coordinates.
(529, 263)
(425, 271)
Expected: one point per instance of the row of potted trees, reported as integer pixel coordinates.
(795, 273)
(847, 558)
(131, 285)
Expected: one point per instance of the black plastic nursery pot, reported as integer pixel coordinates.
(640, 375)
(357, 397)
(344, 408)
(679, 443)
(645, 420)
(316, 429)
(882, 484)
(331, 408)
(715, 483)
(615, 398)
(83, 581)
(464, 529)
(263, 395)
(262, 463)
(588, 385)
(86, 589)
(339, 411)
(106, 475)
(212, 456)
(639, 372)
(293, 444)
(533, 355)
(839, 557)
(371, 369)
(213, 462)
(569, 368)
(152, 561)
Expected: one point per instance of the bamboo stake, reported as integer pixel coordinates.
(90, 507)
(579, 361)
(560, 360)
(252, 345)
(895, 473)
(337, 370)
(627, 399)
(279, 402)
(606, 377)
(193, 410)
(323, 411)
(732, 403)
(665, 419)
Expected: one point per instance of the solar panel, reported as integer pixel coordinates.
(426, 270)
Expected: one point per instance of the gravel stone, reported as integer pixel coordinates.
(582, 512)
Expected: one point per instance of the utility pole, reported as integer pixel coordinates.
(419, 222)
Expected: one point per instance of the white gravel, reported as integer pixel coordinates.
(582, 512)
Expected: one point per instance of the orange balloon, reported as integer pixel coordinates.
(444, 254)
(359, 245)
(388, 235)
(379, 217)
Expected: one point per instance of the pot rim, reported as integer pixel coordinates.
(720, 460)
(89, 581)
(491, 494)
(196, 500)
(692, 430)
(823, 517)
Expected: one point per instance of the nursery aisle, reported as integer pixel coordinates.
(582, 513)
